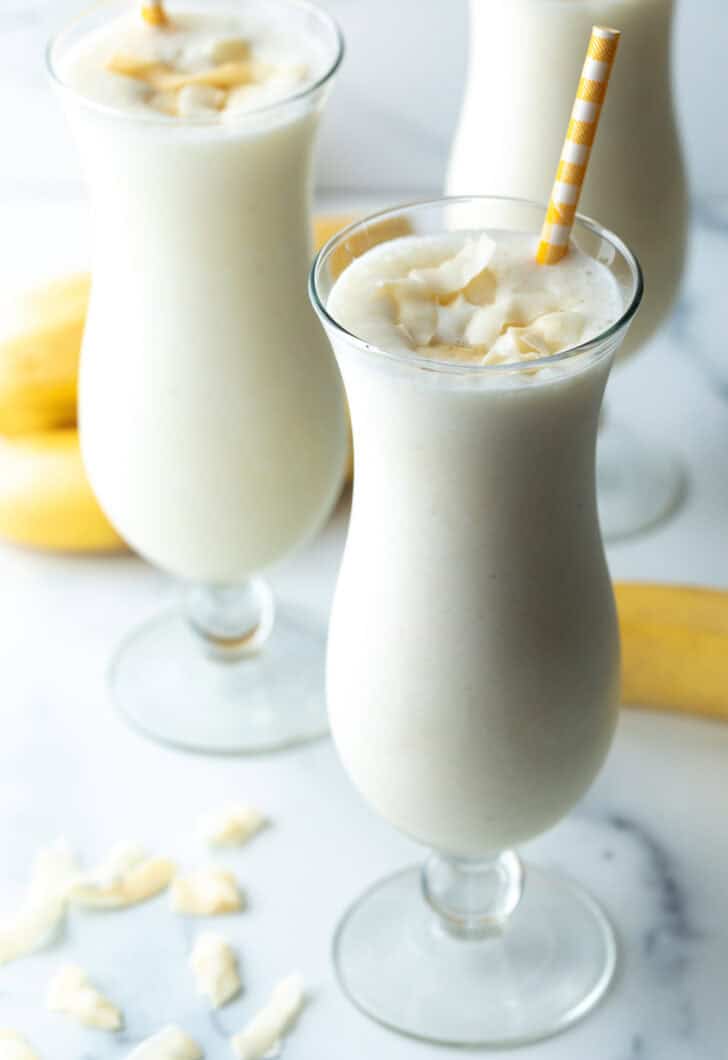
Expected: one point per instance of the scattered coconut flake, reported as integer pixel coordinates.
(556, 331)
(232, 825)
(263, 1034)
(206, 892)
(453, 274)
(278, 83)
(72, 994)
(436, 304)
(13, 1046)
(452, 321)
(485, 325)
(229, 50)
(215, 968)
(126, 877)
(139, 67)
(482, 288)
(44, 907)
(225, 76)
(418, 318)
(509, 347)
(265, 1030)
(171, 1043)
(199, 101)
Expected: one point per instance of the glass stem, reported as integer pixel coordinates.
(473, 898)
(232, 621)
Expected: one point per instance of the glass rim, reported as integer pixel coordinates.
(417, 360)
(169, 122)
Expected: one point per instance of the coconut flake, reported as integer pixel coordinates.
(263, 1033)
(233, 825)
(206, 892)
(215, 968)
(171, 1043)
(72, 994)
(13, 1046)
(44, 908)
(126, 877)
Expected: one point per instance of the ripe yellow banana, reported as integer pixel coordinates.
(375, 233)
(326, 226)
(45, 498)
(674, 647)
(40, 341)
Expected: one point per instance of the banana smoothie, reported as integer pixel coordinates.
(473, 656)
(212, 422)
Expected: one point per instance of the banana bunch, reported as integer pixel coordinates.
(45, 499)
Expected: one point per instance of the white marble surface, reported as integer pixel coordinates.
(649, 840)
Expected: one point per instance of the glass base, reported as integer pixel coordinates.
(638, 484)
(551, 964)
(165, 685)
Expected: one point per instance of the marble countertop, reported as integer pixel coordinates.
(649, 840)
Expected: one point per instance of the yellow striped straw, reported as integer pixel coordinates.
(153, 12)
(577, 145)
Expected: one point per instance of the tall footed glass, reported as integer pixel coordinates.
(473, 660)
(212, 419)
(508, 140)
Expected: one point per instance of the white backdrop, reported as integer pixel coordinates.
(391, 115)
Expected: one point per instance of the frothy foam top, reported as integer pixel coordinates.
(201, 65)
(475, 298)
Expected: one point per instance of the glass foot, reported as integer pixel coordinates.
(638, 484)
(174, 687)
(549, 966)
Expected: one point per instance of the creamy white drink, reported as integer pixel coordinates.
(473, 659)
(523, 70)
(212, 421)
(473, 656)
(211, 411)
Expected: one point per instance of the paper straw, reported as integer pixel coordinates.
(153, 12)
(578, 144)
